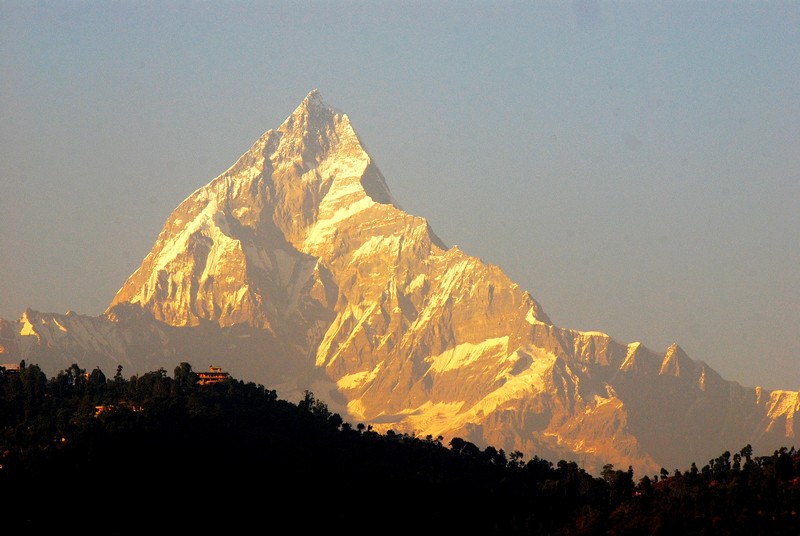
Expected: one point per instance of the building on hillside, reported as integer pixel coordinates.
(213, 375)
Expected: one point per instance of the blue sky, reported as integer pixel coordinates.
(634, 165)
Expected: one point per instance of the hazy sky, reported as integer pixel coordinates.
(634, 165)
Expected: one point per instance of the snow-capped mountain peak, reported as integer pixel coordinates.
(298, 269)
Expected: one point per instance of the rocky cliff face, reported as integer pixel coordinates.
(296, 268)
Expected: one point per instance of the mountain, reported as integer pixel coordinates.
(296, 268)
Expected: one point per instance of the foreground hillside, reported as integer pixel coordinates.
(153, 452)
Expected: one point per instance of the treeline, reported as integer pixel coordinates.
(153, 452)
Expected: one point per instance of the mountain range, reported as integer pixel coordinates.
(297, 269)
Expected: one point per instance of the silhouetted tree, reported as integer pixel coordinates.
(185, 377)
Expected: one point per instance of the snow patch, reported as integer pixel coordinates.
(437, 419)
(27, 328)
(783, 403)
(429, 418)
(529, 380)
(352, 311)
(629, 357)
(376, 245)
(416, 283)
(358, 379)
(329, 220)
(590, 334)
(466, 353)
(208, 220)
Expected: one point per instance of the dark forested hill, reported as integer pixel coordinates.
(100, 455)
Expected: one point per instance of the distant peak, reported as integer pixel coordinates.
(312, 112)
(675, 350)
(314, 95)
(674, 359)
(314, 102)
